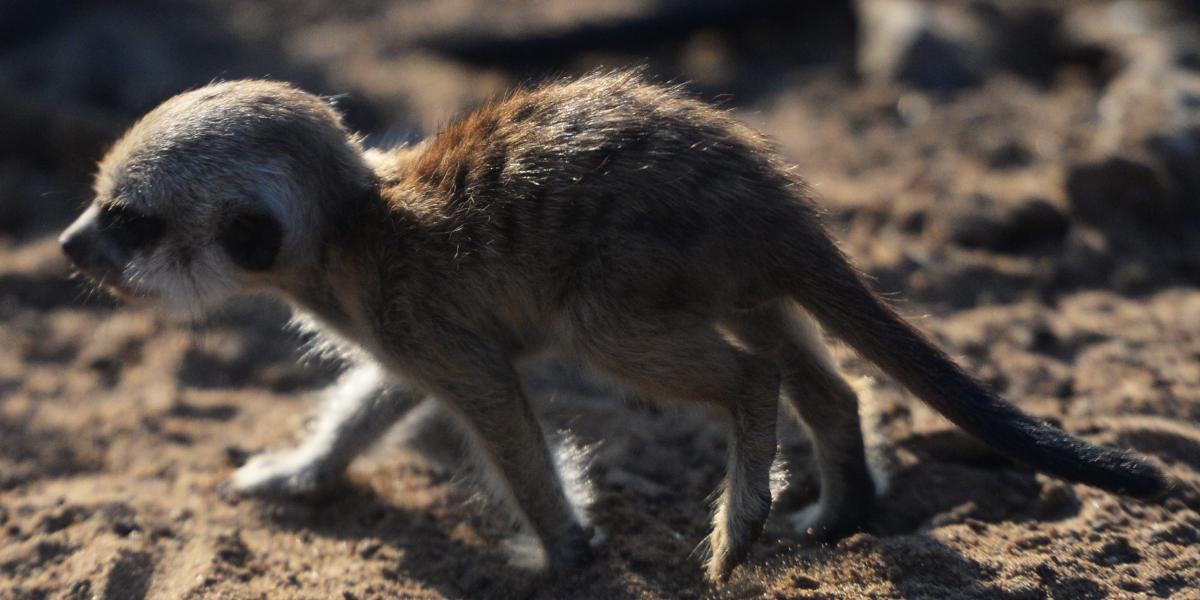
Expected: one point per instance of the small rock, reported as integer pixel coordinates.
(1116, 552)
(1181, 534)
(124, 528)
(368, 548)
(178, 437)
(1056, 500)
(930, 46)
(1044, 339)
(1034, 541)
(1009, 154)
(11, 480)
(1113, 190)
(187, 410)
(1036, 219)
(232, 550)
(120, 515)
(913, 222)
(47, 550)
(805, 583)
(61, 519)
(1009, 229)
(129, 576)
(80, 590)
(1064, 388)
(935, 61)
(977, 231)
(1131, 276)
(236, 456)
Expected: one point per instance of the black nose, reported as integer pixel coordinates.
(74, 246)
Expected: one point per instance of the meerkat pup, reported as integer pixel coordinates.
(650, 236)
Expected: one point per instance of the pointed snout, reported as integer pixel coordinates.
(79, 238)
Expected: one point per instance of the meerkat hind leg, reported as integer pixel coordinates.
(694, 362)
(360, 409)
(828, 408)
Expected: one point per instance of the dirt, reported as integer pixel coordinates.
(991, 199)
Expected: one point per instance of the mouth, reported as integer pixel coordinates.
(119, 289)
(113, 284)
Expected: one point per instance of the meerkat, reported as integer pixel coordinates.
(644, 233)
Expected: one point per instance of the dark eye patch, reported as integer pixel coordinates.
(251, 239)
(129, 228)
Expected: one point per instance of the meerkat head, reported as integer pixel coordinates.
(216, 191)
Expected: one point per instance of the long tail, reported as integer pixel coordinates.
(841, 300)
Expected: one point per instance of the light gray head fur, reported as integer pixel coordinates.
(218, 190)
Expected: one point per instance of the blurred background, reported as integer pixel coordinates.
(1025, 173)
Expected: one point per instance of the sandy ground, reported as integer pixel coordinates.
(120, 425)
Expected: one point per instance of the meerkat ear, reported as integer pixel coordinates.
(252, 239)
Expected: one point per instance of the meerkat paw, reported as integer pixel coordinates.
(734, 535)
(727, 551)
(574, 550)
(819, 523)
(286, 474)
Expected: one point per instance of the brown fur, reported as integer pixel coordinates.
(621, 221)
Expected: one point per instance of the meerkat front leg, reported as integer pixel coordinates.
(360, 408)
(689, 359)
(484, 392)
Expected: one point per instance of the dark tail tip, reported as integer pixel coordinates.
(1137, 478)
(1149, 483)
(1057, 453)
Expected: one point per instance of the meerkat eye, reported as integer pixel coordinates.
(252, 240)
(131, 229)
